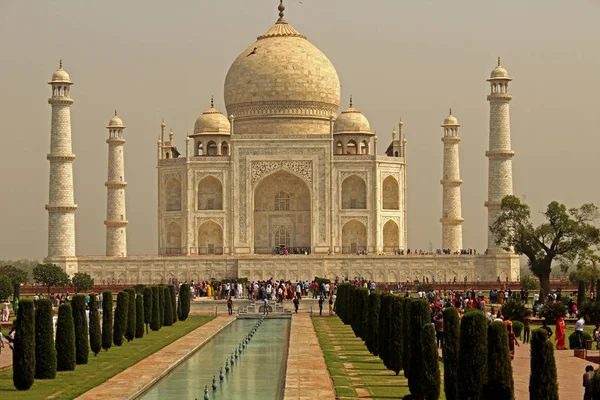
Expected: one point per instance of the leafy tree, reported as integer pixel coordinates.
(530, 283)
(420, 316)
(107, 320)
(564, 235)
(131, 317)
(472, 356)
(168, 313)
(95, 333)
(161, 306)
(450, 352)
(580, 294)
(499, 361)
(82, 348)
(543, 381)
(147, 306)
(65, 339)
(16, 275)
(45, 352)
(24, 347)
(82, 281)
(50, 275)
(23, 267)
(120, 325)
(173, 302)
(431, 364)
(184, 295)
(139, 316)
(6, 287)
(155, 323)
(372, 340)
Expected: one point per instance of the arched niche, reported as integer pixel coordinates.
(210, 238)
(210, 194)
(354, 193)
(173, 195)
(391, 194)
(173, 245)
(391, 236)
(354, 237)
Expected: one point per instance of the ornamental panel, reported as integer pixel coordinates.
(261, 168)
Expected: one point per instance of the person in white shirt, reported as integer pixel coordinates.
(326, 290)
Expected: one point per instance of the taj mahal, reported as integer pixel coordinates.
(321, 202)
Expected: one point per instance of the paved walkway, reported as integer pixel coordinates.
(5, 357)
(307, 376)
(135, 379)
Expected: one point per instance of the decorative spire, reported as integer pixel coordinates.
(350, 101)
(450, 111)
(115, 112)
(212, 101)
(281, 9)
(498, 60)
(162, 124)
(60, 64)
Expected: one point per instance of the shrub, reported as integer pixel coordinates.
(120, 325)
(543, 382)
(499, 361)
(518, 328)
(573, 339)
(472, 355)
(107, 320)
(551, 311)
(168, 314)
(596, 385)
(530, 283)
(590, 310)
(45, 352)
(155, 324)
(514, 310)
(82, 348)
(139, 316)
(395, 359)
(184, 296)
(431, 364)
(173, 302)
(372, 340)
(420, 316)
(450, 352)
(385, 317)
(65, 339)
(95, 333)
(131, 318)
(161, 306)
(24, 347)
(147, 306)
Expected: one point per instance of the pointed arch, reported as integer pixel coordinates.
(391, 194)
(173, 245)
(210, 194)
(339, 147)
(354, 237)
(354, 193)
(351, 147)
(391, 236)
(210, 238)
(211, 148)
(173, 200)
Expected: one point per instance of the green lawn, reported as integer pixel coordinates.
(353, 368)
(69, 385)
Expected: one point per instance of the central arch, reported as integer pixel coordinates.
(282, 213)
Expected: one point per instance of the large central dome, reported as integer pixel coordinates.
(282, 84)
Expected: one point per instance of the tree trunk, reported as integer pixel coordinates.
(544, 285)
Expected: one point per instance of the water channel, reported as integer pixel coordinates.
(258, 373)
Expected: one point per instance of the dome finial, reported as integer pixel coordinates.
(281, 9)
(350, 101)
(212, 102)
(60, 64)
(498, 60)
(450, 110)
(115, 112)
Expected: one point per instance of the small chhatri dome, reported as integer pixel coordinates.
(115, 122)
(60, 75)
(499, 72)
(212, 121)
(450, 119)
(352, 121)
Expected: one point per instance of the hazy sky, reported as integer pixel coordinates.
(153, 59)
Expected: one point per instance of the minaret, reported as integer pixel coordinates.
(499, 154)
(116, 222)
(451, 206)
(61, 204)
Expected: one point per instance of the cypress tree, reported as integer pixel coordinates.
(450, 351)
(95, 332)
(24, 347)
(161, 306)
(384, 327)
(184, 295)
(395, 335)
(65, 339)
(372, 340)
(420, 316)
(168, 314)
(120, 325)
(139, 316)
(131, 318)
(472, 356)
(543, 382)
(45, 352)
(359, 323)
(580, 294)
(147, 306)
(431, 363)
(155, 324)
(597, 298)
(107, 320)
(173, 302)
(82, 347)
(406, 323)
(179, 306)
(499, 362)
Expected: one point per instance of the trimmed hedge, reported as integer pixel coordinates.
(154, 323)
(372, 340)
(24, 347)
(395, 360)
(473, 354)
(95, 332)
(406, 343)
(168, 313)
(420, 316)
(65, 339)
(147, 306)
(359, 320)
(450, 352)
(107, 320)
(499, 361)
(184, 296)
(131, 318)
(543, 382)
(173, 302)
(45, 352)
(161, 306)
(120, 325)
(385, 317)
(431, 364)
(573, 339)
(82, 348)
(139, 316)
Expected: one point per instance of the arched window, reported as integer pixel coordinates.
(282, 238)
(211, 149)
(282, 201)
(339, 147)
(351, 147)
(225, 149)
(364, 147)
(200, 149)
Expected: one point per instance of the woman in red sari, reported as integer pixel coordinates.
(512, 339)
(559, 335)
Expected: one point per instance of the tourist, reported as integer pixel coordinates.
(5, 311)
(11, 337)
(588, 377)
(512, 339)
(438, 320)
(597, 336)
(526, 327)
(321, 300)
(266, 304)
(229, 306)
(296, 303)
(560, 334)
(1, 344)
(579, 331)
(546, 328)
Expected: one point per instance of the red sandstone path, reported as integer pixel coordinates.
(5, 357)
